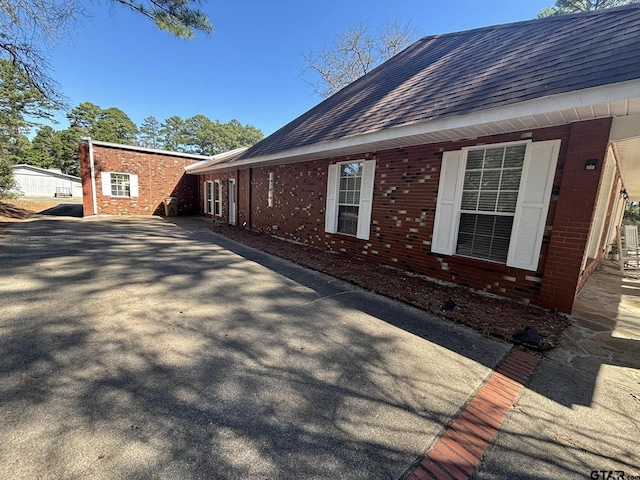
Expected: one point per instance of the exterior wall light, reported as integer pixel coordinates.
(591, 164)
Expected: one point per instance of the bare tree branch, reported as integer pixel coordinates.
(563, 7)
(353, 54)
(30, 29)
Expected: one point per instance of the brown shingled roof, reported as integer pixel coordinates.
(452, 74)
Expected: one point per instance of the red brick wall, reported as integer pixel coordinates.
(404, 201)
(244, 196)
(574, 213)
(159, 176)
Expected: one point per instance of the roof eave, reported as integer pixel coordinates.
(44, 170)
(205, 165)
(190, 156)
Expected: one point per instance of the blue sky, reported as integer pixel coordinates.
(250, 67)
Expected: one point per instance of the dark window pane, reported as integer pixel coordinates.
(493, 158)
(484, 236)
(472, 180)
(503, 227)
(469, 200)
(467, 223)
(481, 246)
(499, 250)
(487, 202)
(475, 159)
(507, 202)
(484, 225)
(491, 180)
(465, 245)
(510, 179)
(348, 219)
(514, 156)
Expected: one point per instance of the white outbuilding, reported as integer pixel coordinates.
(41, 182)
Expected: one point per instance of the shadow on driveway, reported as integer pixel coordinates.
(131, 348)
(64, 210)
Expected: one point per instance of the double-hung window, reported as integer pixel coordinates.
(270, 189)
(489, 197)
(350, 197)
(116, 184)
(217, 206)
(493, 201)
(208, 197)
(120, 185)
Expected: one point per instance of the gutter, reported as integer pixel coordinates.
(94, 195)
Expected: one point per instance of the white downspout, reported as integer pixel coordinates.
(93, 178)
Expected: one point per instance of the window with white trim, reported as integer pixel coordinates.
(217, 205)
(208, 197)
(350, 197)
(489, 196)
(270, 190)
(118, 184)
(493, 201)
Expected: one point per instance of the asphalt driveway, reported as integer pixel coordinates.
(132, 348)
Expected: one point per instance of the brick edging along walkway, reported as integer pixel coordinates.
(457, 454)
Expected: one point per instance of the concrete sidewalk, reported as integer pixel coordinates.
(132, 348)
(581, 411)
(142, 348)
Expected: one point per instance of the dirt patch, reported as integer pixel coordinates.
(16, 210)
(490, 315)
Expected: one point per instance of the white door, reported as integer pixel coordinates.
(77, 190)
(232, 202)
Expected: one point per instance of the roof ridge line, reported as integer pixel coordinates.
(556, 18)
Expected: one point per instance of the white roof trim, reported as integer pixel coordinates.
(556, 103)
(205, 165)
(47, 171)
(137, 148)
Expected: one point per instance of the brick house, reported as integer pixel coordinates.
(499, 158)
(130, 180)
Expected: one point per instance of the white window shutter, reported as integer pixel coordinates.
(133, 185)
(446, 218)
(530, 217)
(331, 211)
(366, 199)
(105, 179)
(205, 192)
